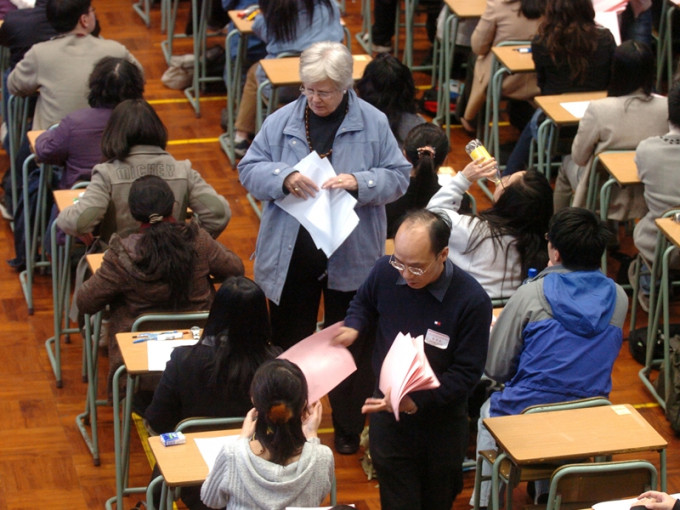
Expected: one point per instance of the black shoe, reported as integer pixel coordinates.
(346, 444)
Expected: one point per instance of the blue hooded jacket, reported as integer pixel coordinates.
(569, 342)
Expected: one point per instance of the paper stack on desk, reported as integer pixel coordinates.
(406, 369)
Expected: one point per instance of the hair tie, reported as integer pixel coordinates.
(427, 150)
(279, 413)
(155, 218)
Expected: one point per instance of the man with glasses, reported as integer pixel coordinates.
(418, 290)
(560, 333)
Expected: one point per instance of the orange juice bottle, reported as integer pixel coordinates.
(476, 150)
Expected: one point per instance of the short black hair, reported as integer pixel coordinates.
(580, 237)
(674, 104)
(63, 15)
(113, 80)
(439, 227)
(132, 122)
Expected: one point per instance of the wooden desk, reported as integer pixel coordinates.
(506, 60)
(668, 242)
(183, 465)
(556, 117)
(233, 68)
(456, 10)
(285, 71)
(622, 170)
(576, 433)
(61, 285)
(33, 136)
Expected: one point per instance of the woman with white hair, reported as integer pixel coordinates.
(330, 119)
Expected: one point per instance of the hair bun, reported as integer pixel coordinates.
(279, 413)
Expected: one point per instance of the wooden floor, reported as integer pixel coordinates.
(43, 460)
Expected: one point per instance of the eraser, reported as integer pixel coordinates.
(173, 438)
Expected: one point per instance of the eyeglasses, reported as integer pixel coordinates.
(416, 271)
(321, 94)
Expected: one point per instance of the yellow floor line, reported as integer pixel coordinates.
(185, 100)
(193, 140)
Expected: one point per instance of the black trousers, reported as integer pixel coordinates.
(419, 459)
(295, 317)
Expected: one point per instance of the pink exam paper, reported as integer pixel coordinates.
(406, 369)
(325, 365)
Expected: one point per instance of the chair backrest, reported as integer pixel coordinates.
(571, 404)
(201, 424)
(576, 486)
(169, 320)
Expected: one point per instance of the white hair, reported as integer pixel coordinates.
(327, 61)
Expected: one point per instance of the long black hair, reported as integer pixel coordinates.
(279, 394)
(388, 85)
(238, 326)
(165, 248)
(523, 212)
(281, 16)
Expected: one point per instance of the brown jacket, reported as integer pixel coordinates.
(129, 292)
(500, 22)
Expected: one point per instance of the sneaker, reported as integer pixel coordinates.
(5, 212)
(241, 146)
(376, 48)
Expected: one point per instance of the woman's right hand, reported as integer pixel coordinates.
(300, 186)
(310, 424)
(656, 500)
(481, 168)
(248, 427)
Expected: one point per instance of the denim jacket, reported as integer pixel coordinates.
(364, 147)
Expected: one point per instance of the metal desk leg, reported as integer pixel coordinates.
(233, 92)
(143, 8)
(89, 416)
(662, 469)
(444, 96)
(605, 197)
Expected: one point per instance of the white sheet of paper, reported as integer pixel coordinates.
(159, 352)
(329, 217)
(325, 365)
(576, 108)
(211, 446)
(610, 20)
(620, 504)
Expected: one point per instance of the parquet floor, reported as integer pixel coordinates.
(43, 460)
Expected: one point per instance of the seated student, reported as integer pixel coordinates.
(571, 54)
(657, 165)
(558, 336)
(627, 116)
(213, 377)
(426, 147)
(165, 266)
(498, 246)
(288, 27)
(134, 143)
(278, 460)
(503, 20)
(388, 85)
(75, 143)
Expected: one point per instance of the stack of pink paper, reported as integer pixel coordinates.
(406, 369)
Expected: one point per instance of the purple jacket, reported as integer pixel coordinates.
(75, 144)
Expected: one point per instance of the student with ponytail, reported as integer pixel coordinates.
(213, 377)
(165, 266)
(278, 460)
(426, 147)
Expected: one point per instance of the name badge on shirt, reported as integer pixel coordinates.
(436, 339)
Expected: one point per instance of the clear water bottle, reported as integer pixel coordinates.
(476, 150)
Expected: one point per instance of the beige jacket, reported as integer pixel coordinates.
(614, 123)
(500, 22)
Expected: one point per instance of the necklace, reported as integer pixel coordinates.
(309, 138)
